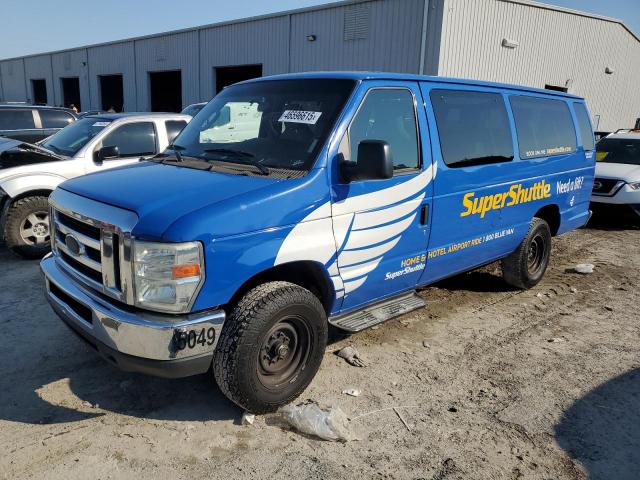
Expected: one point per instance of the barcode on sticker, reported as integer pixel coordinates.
(300, 116)
(100, 124)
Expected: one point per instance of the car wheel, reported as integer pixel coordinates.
(27, 227)
(525, 267)
(271, 346)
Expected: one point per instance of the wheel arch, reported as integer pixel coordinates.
(550, 214)
(307, 274)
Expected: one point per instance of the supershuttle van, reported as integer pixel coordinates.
(341, 195)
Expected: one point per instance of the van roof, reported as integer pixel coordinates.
(411, 77)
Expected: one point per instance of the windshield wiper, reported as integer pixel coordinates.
(176, 152)
(249, 157)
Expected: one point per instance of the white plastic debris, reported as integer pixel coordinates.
(584, 268)
(248, 418)
(353, 392)
(330, 424)
(351, 355)
(556, 340)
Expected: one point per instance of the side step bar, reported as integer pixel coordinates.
(377, 313)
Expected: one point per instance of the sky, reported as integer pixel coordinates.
(35, 26)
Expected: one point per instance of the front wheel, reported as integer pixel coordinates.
(525, 267)
(27, 227)
(271, 346)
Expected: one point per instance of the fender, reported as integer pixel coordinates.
(19, 184)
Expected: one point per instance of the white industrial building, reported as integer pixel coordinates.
(512, 41)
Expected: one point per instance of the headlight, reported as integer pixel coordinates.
(167, 276)
(634, 186)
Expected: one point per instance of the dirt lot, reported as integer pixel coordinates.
(491, 382)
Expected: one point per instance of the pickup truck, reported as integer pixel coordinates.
(337, 195)
(29, 173)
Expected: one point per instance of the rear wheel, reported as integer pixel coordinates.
(271, 346)
(27, 227)
(525, 267)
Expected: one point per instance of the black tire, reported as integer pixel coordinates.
(25, 213)
(251, 339)
(525, 267)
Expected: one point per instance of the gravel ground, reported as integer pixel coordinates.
(487, 382)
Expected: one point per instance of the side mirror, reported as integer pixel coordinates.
(374, 162)
(105, 153)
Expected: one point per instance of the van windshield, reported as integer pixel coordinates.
(72, 138)
(271, 124)
(618, 150)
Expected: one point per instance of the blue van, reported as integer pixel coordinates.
(291, 203)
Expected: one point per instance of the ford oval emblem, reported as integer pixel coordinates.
(73, 245)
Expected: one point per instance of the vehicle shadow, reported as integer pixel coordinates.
(49, 376)
(486, 279)
(613, 219)
(602, 429)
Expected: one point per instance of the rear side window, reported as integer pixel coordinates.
(16, 119)
(584, 123)
(55, 118)
(473, 127)
(133, 139)
(387, 114)
(544, 127)
(174, 127)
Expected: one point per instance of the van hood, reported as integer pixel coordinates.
(181, 204)
(14, 153)
(618, 171)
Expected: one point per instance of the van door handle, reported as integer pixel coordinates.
(424, 214)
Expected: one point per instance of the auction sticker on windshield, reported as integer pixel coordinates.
(300, 116)
(100, 124)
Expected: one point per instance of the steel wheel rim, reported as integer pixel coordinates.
(284, 352)
(34, 229)
(535, 254)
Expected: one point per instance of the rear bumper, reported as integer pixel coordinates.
(161, 345)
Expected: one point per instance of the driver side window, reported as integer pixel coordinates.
(386, 114)
(133, 139)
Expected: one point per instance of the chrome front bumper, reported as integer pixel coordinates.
(163, 345)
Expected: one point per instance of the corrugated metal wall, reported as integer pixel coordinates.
(463, 39)
(71, 64)
(264, 42)
(387, 37)
(168, 52)
(36, 68)
(555, 48)
(113, 59)
(13, 83)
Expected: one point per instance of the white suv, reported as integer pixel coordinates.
(617, 179)
(29, 173)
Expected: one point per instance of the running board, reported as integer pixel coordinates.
(377, 313)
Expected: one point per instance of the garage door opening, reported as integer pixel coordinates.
(39, 91)
(71, 92)
(111, 92)
(166, 91)
(225, 76)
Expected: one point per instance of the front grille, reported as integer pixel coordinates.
(92, 250)
(605, 186)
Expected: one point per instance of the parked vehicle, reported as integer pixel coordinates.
(90, 113)
(29, 173)
(30, 123)
(193, 109)
(617, 181)
(351, 191)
